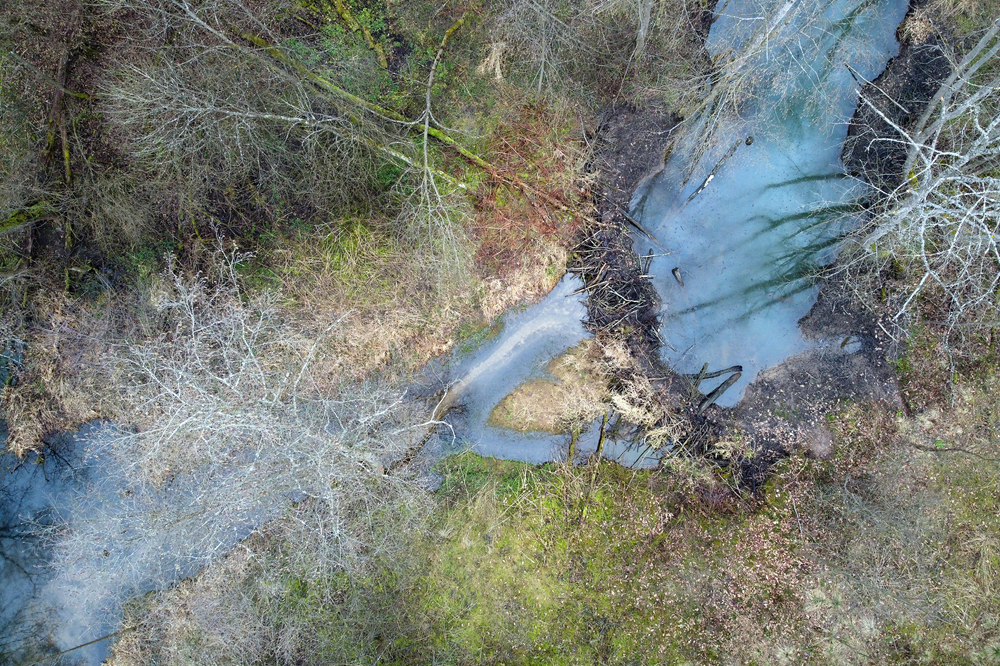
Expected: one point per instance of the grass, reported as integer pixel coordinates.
(575, 395)
(887, 553)
(900, 526)
(563, 565)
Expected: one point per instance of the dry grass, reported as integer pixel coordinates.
(523, 233)
(61, 383)
(270, 600)
(903, 524)
(577, 396)
(403, 312)
(400, 315)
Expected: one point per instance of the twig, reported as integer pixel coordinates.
(703, 375)
(637, 225)
(797, 520)
(48, 79)
(312, 350)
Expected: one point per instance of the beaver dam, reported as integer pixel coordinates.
(731, 230)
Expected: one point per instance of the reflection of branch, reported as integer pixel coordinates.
(96, 640)
(16, 564)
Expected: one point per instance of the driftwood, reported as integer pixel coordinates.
(704, 374)
(718, 166)
(621, 299)
(600, 441)
(717, 393)
(635, 223)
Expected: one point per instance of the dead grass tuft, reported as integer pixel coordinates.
(576, 397)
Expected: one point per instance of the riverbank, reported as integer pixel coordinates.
(866, 537)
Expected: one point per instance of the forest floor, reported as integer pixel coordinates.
(885, 550)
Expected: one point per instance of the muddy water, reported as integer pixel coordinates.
(754, 198)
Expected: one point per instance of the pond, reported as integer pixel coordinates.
(754, 199)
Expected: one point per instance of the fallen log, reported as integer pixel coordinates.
(717, 393)
(635, 223)
(704, 374)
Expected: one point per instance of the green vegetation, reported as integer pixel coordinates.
(886, 553)
(231, 224)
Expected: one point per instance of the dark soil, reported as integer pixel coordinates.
(631, 144)
(874, 150)
(786, 405)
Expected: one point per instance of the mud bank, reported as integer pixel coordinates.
(873, 151)
(632, 144)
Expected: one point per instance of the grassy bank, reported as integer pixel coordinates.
(885, 553)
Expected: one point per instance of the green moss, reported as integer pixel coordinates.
(466, 474)
(472, 333)
(22, 216)
(561, 565)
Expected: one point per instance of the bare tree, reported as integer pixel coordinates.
(229, 427)
(228, 95)
(941, 226)
(19, 191)
(574, 46)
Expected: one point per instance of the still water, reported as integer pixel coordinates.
(754, 198)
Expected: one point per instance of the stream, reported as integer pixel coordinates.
(38, 617)
(745, 223)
